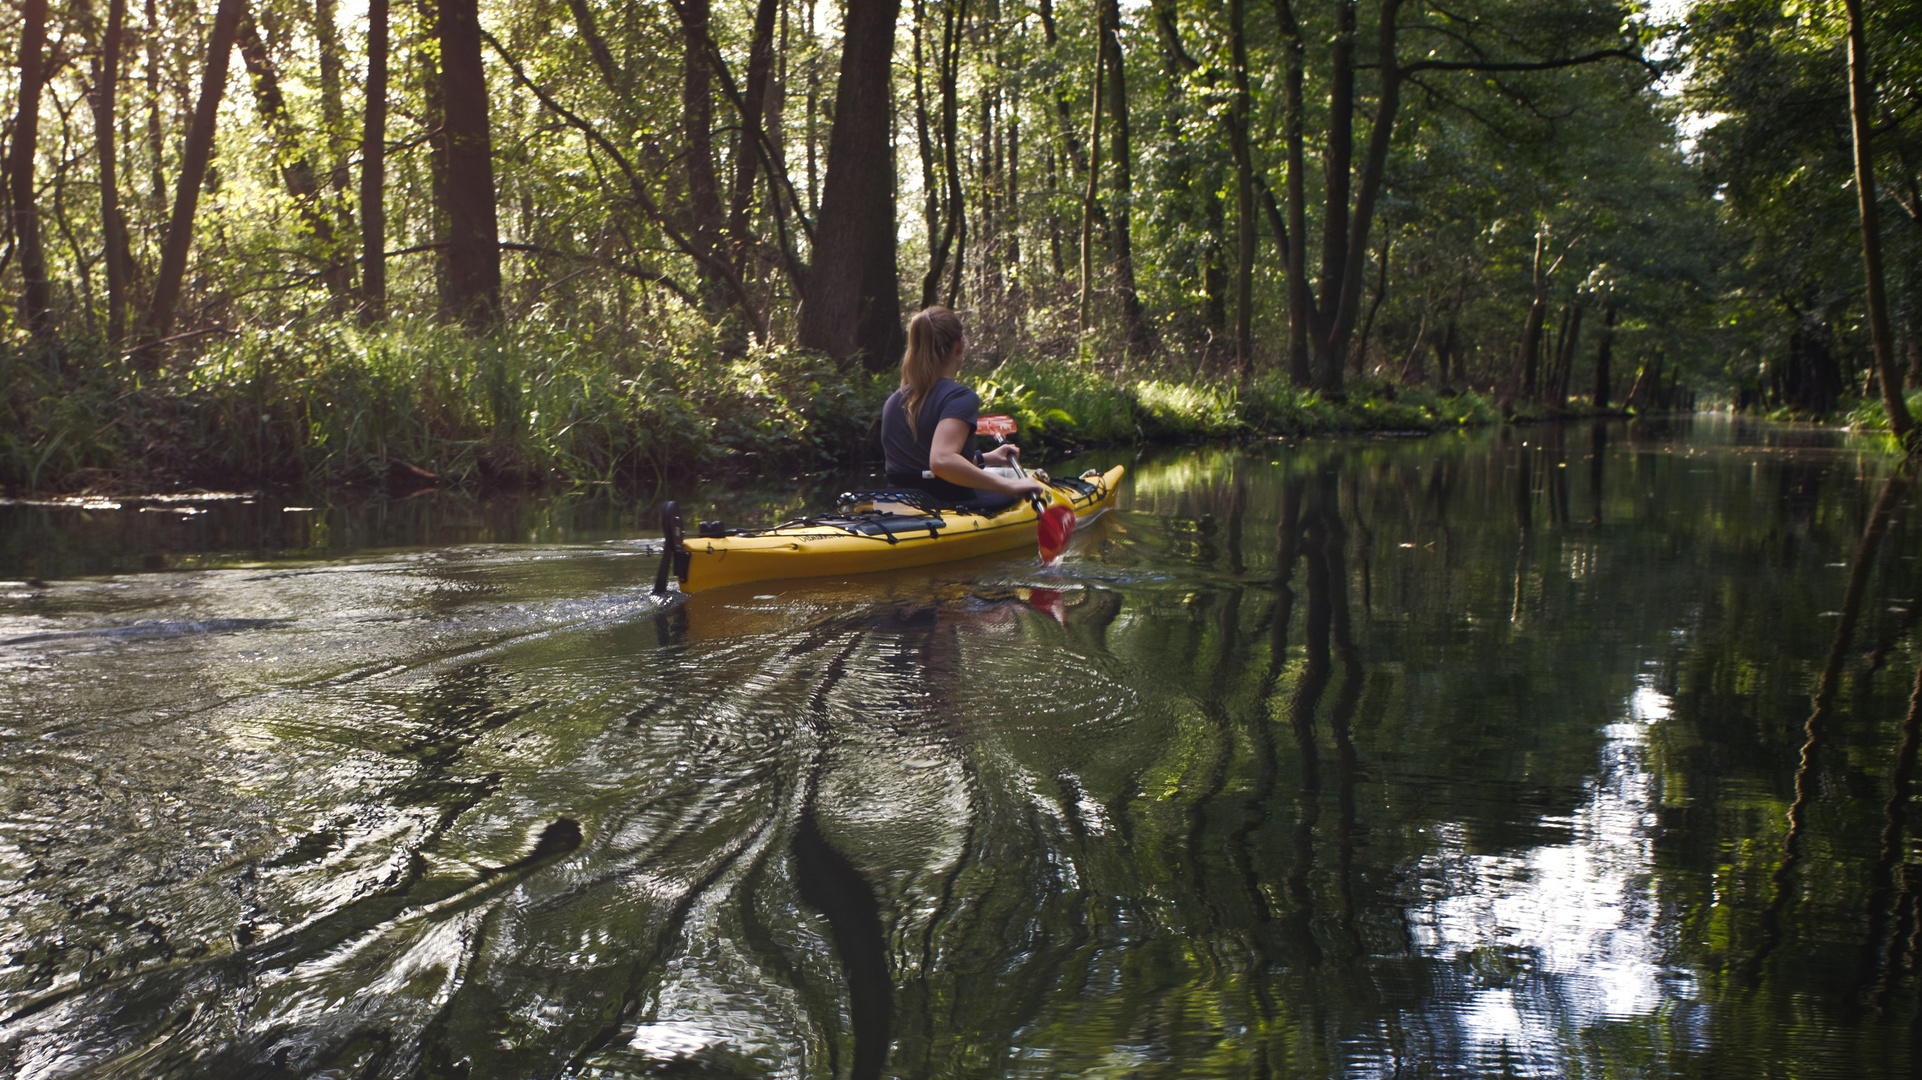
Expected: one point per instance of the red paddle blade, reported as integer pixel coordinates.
(1054, 530)
(1000, 427)
(1048, 602)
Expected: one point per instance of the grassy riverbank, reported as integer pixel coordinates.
(333, 405)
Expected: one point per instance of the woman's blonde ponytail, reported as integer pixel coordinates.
(933, 334)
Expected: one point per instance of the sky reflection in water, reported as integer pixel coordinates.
(1577, 923)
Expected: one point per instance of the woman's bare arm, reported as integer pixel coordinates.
(947, 461)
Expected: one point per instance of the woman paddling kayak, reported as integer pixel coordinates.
(926, 424)
(960, 512)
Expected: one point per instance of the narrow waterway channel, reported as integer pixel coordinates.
(1487, 754)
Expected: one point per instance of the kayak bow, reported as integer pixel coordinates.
(870, 532)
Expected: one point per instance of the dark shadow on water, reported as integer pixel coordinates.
(830, 884)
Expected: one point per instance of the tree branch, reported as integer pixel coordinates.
(639, 190)
(639, 272)
(718, 65)
(1532, 65)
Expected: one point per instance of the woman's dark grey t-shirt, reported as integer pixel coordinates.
(906, 450)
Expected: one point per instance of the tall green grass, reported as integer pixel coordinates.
(1071, 404)
(1868, 414)
(330, 403)
(340, 404)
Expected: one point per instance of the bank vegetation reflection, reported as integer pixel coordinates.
(1323, 760)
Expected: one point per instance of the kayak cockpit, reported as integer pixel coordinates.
(867, 531)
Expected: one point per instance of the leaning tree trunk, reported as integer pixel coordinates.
(1648, 383)
(373, 171)
(193, 171)
(853, 305)
(37, 291)
(472, 254)
(296, 168)
(747, 146)
(1861, 110)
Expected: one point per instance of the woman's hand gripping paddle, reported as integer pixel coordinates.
(1055, 527)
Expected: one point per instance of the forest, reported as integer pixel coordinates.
(590, 242)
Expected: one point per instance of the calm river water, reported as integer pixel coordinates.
(1456, 756)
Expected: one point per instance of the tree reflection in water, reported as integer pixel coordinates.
(1375, 759)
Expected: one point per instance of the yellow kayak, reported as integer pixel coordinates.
(868, 532)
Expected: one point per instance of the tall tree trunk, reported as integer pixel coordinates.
(156, 138)
(1238, 119)
(1064, 112)
(1381, 296)
(1909, 332)
(703, 191)
(37, 291)
(1012, 251)
(1056, 168)
(1301, 302)
(988, 217)
(946, 197)
(853, 304)
(1566, 344)
(193, 171)
(813, 135)
(1134, 324)
(1444, 353)
(1531, 344)
(1861, 117)
(296, 168)
(1338, 168)
(1530, 351)
(472, 253)
(1340, 317)
(433, 122)
(1089, 194)
(373, 171)
(924, 146)
(113, 221)
(1604, 351)
(1215, 275)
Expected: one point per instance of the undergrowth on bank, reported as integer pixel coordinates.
(548, 404)
(1868, 414)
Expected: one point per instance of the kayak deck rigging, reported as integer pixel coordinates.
(869, 531)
